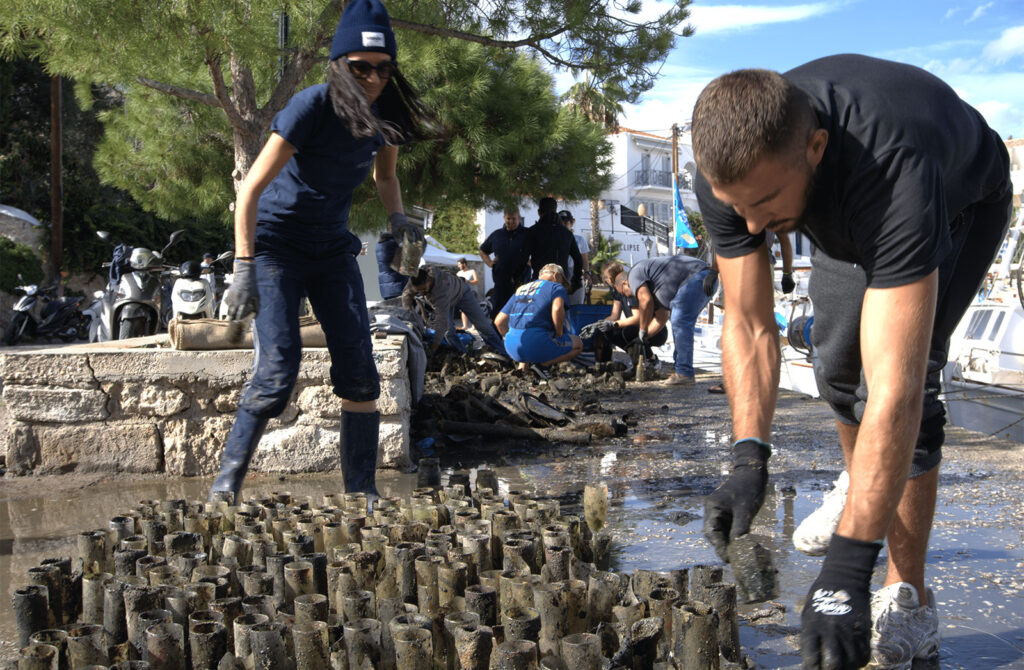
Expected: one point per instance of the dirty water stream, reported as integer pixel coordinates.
(657, 476)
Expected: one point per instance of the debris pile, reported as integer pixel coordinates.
(485, 396)
(457, 577)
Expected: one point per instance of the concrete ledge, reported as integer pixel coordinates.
(137, 406)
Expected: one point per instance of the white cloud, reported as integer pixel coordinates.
(979, 12)
(1009, 44)
(720, 18)
(951, 11)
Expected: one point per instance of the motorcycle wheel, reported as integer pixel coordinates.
(130, 328)
(15, 331)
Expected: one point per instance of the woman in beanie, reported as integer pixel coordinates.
(292, 240)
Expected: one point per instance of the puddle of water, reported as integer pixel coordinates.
(976, 562)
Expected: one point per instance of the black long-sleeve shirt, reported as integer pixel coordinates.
(553, 243)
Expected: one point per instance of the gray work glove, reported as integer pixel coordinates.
(400, 226)
(243, 296)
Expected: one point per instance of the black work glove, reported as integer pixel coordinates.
(787, 282)
(710, 283)
(836, 620)
(243, 296)
(729, 510)
(400, 226)
(606, 326)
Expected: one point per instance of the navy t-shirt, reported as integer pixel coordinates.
(530, 306)
(311, 196)
(664, 275)
(508, 248)
(905, 156)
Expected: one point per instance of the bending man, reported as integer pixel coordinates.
(905, 192)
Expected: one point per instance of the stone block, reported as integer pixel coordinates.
(65, 370)
(226, 400)
(21, 448)
(393, 449)
(156, 399)
(111, 446)
(390, 357)
(193, 447)
(395, 397)
(148, 365)
(319, 401)
(55, 405)
(301, 448)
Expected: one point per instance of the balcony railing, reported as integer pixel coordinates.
(652, 178)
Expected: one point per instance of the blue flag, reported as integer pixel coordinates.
(684, 236)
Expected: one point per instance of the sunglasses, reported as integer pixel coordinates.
(361, 69)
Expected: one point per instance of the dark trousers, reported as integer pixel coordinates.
(328, 274)
(837, 292)
(502, 290)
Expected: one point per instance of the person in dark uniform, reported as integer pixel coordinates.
(508, 266)
(549, 241)
(905, 192)
(292, 237)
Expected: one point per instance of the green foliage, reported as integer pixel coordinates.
(88, 205)
(455, 227)
(604, 251)
(18, 259)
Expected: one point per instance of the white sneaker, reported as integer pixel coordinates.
(902, 629)
(813, 535)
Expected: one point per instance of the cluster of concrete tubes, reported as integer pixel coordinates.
(454, 578)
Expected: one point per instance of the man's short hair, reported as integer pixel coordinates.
(553, 269)
(547, 206)
(511, 211)
(611, 270)
(566, 216)
(742, 117)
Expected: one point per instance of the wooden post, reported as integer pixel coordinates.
(56, 186)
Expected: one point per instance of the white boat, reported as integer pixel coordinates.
(983, 383)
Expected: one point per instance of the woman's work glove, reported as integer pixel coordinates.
(710, 283)
(729, 510)
(836, 620)
(400, 227)
(243, 296)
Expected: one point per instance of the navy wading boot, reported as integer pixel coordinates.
(359, 437)
(238, 451)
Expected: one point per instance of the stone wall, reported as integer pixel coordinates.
(118, 409)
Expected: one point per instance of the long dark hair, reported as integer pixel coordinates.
(401, 116)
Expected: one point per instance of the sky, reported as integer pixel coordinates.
(976, 46)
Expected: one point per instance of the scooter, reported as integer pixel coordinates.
(193, 293)
(129, 305)
(40, 313)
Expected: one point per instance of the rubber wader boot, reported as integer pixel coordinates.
(238, 451)
(359, 438)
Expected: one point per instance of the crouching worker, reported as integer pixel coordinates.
(622, 326)
(292, 239)
(668, 288)
(445, 292)
(533, 321)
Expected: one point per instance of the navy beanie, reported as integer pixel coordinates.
(364, 26)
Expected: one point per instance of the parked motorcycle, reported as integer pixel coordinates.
(40, 313)
(193, 295)
(129, 306)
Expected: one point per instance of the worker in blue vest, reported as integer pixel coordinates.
(292, 237)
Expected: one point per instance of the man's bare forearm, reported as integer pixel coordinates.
(750, 361)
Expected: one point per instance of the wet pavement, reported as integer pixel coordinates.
(657, 476)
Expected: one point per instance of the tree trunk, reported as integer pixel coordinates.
(248, 143)
(595, 227)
